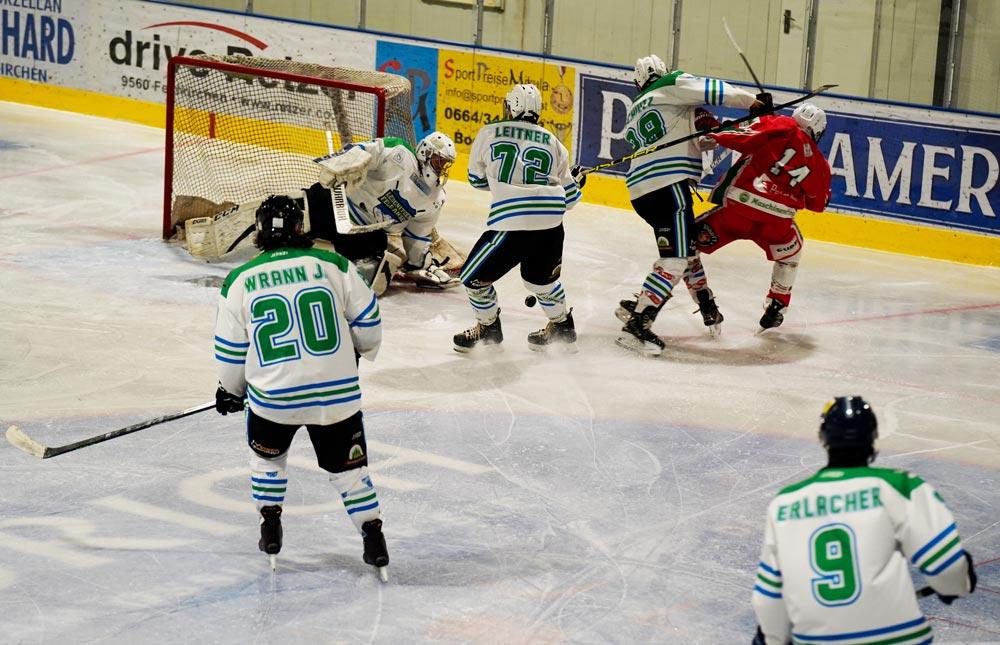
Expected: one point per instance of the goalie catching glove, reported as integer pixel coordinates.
(348, 166)
(431, 275)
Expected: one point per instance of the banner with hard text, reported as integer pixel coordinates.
(122, 48)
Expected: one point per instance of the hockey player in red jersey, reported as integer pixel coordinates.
(781, 170)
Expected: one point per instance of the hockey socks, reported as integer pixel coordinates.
(484, 303)
(358, 493)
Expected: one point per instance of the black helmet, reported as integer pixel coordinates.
(848, 422)
(279, 223)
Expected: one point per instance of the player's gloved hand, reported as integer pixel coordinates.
(431, 275)
(346, 166)
(226, 402)
(704, 120)
(705, 143)
(577, 173)
(763, 105)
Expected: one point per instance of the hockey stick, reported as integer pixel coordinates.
(725, 125)
(17, 437)
(740, 52)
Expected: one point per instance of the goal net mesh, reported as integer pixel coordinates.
(244, 127)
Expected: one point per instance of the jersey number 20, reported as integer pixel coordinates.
(833, 557)
(283, 328)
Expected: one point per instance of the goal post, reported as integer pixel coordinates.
(239, 128)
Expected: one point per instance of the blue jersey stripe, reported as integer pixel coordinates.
(930, 545)
(230, 343)
(310, 386)
(765, 592)
(865, 634)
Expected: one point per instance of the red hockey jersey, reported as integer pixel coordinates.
(782, 169)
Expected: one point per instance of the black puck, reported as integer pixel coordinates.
(530, 301)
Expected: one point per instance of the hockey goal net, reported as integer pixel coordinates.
(240, 128)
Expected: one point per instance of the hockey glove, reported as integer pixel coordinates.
(348, 166)
(226, 402)
(578, 176)
(763, 105)
(704, 120)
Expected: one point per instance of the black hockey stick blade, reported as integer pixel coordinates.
(18, 438)
(725, 125)
(250, 229)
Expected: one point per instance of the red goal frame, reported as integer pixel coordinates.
(177, 61)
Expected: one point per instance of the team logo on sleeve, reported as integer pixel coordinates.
(355, 453)
(707, 236)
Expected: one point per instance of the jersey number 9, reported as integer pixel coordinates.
(649, 129)
(833, 557)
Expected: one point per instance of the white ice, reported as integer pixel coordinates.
(592, 498)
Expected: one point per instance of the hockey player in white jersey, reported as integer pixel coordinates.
(659, 186)
(391, 188)
(526, 169)
(292, 325)
(837, 546)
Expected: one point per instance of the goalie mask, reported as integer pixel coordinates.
(280, 223)
(648, 69)
(811, 119)
(523, 103)
(848, 423)
(435, 156)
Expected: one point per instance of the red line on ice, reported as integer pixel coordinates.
(906, 314)
(85, 162)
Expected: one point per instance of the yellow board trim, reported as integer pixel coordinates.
(854, 230)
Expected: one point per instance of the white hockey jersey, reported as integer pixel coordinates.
(665, 111)
(526, 169)
(395, 191)
(834, 566)
(288, 326)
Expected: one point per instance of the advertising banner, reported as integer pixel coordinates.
(122, 48)
(472, 86)
(419, 65)
(903, 169)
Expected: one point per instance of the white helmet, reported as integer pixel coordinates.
(648, 67)
(523, 102)
(435, 155)
(811, 119)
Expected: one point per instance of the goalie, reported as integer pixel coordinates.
(389, 188)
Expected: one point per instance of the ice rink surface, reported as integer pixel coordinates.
(589, 498)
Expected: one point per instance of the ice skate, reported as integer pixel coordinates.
(376, 553)
(270, 533)
(562, 333)
(773, 315)
(637, 336)
(480, 334)
(710, 313)
(624, 310)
